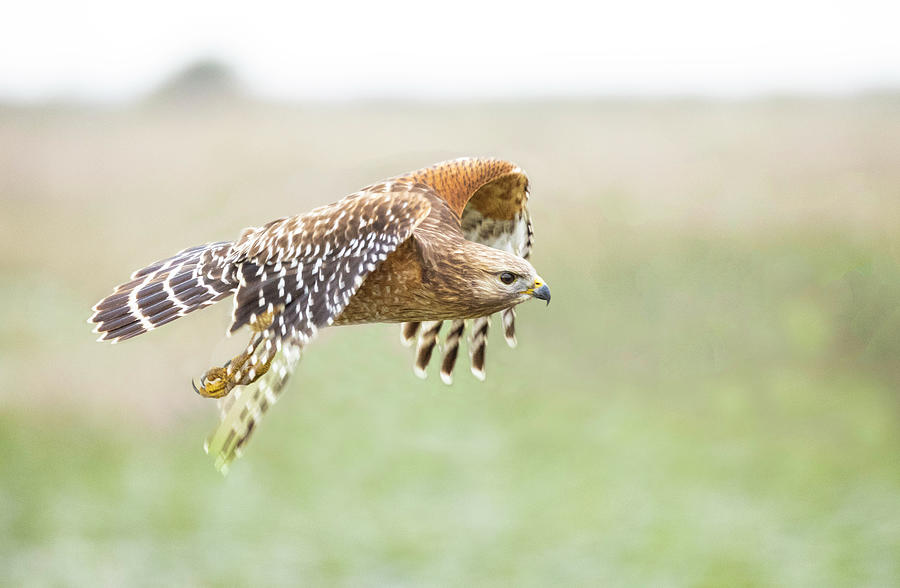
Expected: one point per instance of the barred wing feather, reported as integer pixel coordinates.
(496, 214)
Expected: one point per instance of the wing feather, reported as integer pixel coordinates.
(304, 269)
(491, 198)
(300, 273)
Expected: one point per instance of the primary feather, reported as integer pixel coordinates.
(405, 250)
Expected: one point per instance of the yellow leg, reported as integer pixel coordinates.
(219, 381)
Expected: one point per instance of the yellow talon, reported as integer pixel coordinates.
(215, 384)
(219, 381)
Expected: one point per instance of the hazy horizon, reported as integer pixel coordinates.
(109, 53)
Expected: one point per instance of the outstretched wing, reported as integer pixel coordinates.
(490, 196)
(164, 291)
(304, 269)
(296, 275)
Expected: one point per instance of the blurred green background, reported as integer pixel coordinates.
(712, 398)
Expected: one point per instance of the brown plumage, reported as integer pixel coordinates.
(449, 242)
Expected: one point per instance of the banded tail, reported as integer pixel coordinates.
(165, 290)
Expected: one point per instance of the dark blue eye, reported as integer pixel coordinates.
(507, 278)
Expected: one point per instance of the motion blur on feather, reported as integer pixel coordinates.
(445, 243)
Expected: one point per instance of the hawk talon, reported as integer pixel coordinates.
(341, 264)
(219, 381)
(214, 384)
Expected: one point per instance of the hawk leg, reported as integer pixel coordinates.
(244, 368)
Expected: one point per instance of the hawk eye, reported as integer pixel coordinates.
(507, 278)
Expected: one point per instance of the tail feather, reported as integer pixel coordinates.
(164, 291)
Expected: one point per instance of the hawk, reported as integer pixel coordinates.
(446, 243)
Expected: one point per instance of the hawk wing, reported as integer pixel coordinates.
(490, 198)
(296, 275)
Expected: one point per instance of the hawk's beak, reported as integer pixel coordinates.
(539, 291)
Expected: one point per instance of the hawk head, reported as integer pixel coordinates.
(494, 280)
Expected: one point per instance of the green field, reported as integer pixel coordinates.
(712, 398)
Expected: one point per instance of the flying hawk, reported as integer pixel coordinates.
(445, 243)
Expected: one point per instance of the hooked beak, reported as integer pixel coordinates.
(539, 291)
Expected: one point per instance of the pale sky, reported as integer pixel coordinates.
(113, 50)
